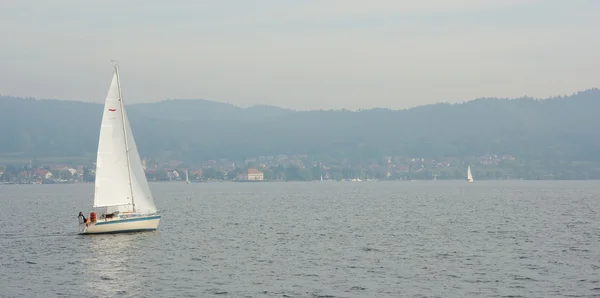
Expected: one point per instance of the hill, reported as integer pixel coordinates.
(559, 128)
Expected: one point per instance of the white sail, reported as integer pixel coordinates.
(121, 182)
(144, 203)
(112, 174)
(469, 176)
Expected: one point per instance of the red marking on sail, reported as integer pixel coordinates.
(112, 110)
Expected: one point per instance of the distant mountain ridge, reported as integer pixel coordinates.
(192, 109)
(560, 128)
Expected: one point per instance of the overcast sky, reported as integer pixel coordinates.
(304, 54)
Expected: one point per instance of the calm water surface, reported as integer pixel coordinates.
(320, 239)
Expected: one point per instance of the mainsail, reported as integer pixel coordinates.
(121, 183)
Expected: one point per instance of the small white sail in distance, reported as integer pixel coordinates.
(469, 175)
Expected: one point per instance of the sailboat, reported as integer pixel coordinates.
(187, 177)
(122, 196)
(469, 175)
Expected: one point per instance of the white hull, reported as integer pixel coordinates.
(119, 225)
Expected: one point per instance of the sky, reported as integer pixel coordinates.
(302, 54)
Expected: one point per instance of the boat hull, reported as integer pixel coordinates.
(121, 225)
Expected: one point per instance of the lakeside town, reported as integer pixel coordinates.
(289, 168)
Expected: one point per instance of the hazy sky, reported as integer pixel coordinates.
(305, 54)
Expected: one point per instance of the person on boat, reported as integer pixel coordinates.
(82, 218)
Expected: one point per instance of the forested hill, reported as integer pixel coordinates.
(561, 128)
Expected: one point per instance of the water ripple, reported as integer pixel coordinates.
(430, 239)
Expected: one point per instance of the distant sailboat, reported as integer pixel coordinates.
(122, 195)
(469, 175)
(187, 177)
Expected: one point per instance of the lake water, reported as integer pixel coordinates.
(319, 239)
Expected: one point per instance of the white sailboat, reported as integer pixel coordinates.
(122, 196)
(187, 177)
(469, 175)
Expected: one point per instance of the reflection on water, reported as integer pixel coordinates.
(110, 267)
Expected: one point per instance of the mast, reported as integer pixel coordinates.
(124, 133)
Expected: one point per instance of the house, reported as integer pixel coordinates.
(43, 173)
(195, 174)
(58, 167)
(252, 175)
(172, 175)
